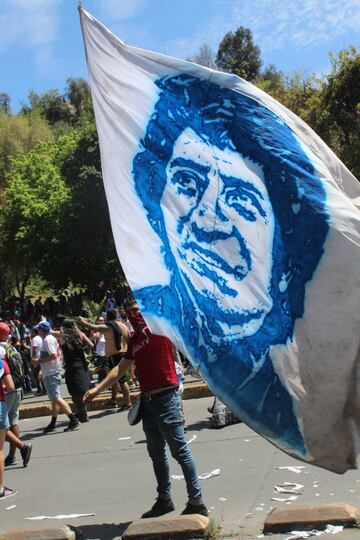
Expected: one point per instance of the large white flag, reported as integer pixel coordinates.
(238, 231)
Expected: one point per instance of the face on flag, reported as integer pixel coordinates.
(238, 232)
(222, 206)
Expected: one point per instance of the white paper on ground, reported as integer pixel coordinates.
(296, 469)
(60, 516)
(11, 507)
(330, 529)
(281, 499)
(210, 474)
(177, 476)
(334, 529)
(223, 499)
(192, 439)
(289, 487)
(124, 438)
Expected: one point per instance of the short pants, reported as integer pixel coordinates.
(52, 384)
(4, 420)
(13, 400)
(115, 359)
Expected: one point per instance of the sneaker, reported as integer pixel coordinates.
(124, 408)
(26, 453)
(49, 428)
(195, 509)
(8, 461)
(73, 424)
(161, 507)
(7, 492)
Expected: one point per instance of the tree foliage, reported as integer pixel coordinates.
(20, 134)
(238, 54)
(84, 253)
(31, 213)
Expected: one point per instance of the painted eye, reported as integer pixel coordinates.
(186, 183)
(245, 203)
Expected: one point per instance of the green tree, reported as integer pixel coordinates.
(19, 134)
(78, 95)
(341, 100)
(272, 81)
(84, 253)
(52, 105)
(238, 54)
(31, 213)
(5, 103)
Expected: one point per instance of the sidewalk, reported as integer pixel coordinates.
(193, 389)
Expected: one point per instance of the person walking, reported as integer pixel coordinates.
(35, 347)
(116, 337)
(160, 411)
(6, 383)
(13, 398)
(50, 362)
(77, 376)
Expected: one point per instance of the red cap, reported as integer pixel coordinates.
(4, 331)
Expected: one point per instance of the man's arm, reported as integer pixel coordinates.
(116, 373)
(8, 383)
(103, 328)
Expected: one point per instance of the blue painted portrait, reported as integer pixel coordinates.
(240, 212)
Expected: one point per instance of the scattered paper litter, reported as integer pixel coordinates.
(246, 440)
(259, 509)
(207, 475)
(330, 529)
(288, 487)
(60, 516)
(204, 476)
(11, 507)
(281, 499)
(296, 469)
(334, 529)
(298, 535)
(223, 499)
(124, 438)
(192, 439)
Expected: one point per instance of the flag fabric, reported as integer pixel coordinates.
(238, 231)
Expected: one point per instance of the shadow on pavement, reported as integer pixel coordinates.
(102, 413)
(197, 426)
(103, 531)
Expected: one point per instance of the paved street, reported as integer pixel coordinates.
(92, 471)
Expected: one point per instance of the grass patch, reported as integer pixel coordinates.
(213, 531)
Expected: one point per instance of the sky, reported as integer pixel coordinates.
(41, 43)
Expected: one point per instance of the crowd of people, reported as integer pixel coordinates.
(123, 353)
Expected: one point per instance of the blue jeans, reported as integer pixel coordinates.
(163, 423)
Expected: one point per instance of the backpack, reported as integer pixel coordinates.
(16, 366)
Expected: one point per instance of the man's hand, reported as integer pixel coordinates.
(90, 395)
(82, 321)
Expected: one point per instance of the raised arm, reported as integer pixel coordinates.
(86, 341)
(103, 328)
(115, 374)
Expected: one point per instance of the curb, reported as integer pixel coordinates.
(180, 527)
(58, 533)
(192, 390)
(281, 520)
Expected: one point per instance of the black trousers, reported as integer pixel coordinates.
(80, 407)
